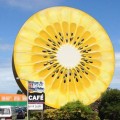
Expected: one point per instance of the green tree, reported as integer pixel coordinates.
(109, 107)
(19, 92)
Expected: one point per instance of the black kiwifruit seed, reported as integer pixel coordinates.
(75, 42)
(44, 51)
(60, 34)
(53, 75)
(82, 40)
(64, 81)
(78, 37)
(49, 68)
(76, 80)
(55, 36)
(59, 43)
(90, 61)
(50, 40)
(86, 46)
(45, 56)
(71, 39)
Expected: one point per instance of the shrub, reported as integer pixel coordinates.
(78, 111)
(71, 111)
(109, 107)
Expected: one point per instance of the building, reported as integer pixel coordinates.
(13, 99)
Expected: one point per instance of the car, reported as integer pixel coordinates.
(20, 114)
(25, 110)
(7, 113)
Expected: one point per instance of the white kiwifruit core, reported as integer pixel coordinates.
(68, 56)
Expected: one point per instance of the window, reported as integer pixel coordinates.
(4, 111)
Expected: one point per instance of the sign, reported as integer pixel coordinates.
(35, 106)
(13, 97)
(36, 95)
(36, 86)
(36, 101)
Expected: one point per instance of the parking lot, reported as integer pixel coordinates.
(22, 119)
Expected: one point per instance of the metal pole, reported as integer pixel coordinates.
(42, 114)
(27, 104)
(28, 114)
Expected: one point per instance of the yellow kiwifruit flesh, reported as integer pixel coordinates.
(37, 46)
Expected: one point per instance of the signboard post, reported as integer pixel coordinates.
(36, 96)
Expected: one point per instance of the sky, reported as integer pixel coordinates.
(13, 14)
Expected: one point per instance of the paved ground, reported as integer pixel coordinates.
(22, 119)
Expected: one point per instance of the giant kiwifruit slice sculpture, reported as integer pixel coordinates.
(68, 50)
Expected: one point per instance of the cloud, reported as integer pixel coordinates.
(116, 78)
(31, 4)
(5, 47)
(117, 56)
(8, 83)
